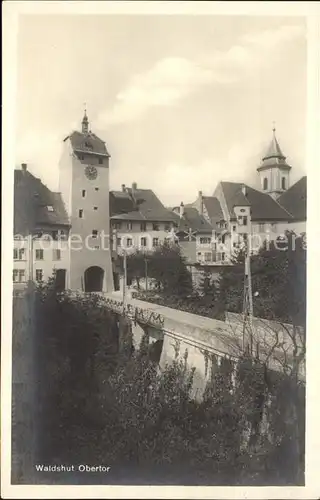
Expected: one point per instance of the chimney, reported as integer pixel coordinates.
(200, 203)
(244, 190)
(181, 209)
(24, 167)
(134, 186)
(123, 187)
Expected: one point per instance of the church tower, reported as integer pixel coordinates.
(84, 185)
(274, 170)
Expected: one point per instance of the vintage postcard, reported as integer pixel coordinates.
(159, 320)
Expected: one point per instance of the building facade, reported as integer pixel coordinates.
(66, 235)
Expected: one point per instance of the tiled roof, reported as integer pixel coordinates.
(193, 220)
(274, 150)
(120, 202)
(263, 206)
(87, 143)
(31, 199)
(213, 208)
(273, 156)
(294, 200)
(144, 205)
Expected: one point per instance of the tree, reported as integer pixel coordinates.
(136, 266)
(207, 289)
(278, 281)
(167, 266)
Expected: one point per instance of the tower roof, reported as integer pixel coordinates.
(274, 156)
(274, 150)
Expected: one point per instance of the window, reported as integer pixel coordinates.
(118, 242)
(144, 242)
(39, 234)
(50, 208)
(62, 235)
(94, 233)
(223, 256)
(97, 247)
(261, 228)
(167, 227)
(15, 275)
(155, 226)
(223, 239)
(55, 235)
(56, 254)
(81, 157)
(116, 225)
(95, 208)
(80, 213)
(39, 274)
(155, 242)
(129, 226)
(83, 193)
(205, 241)
(207, 256)
(100, 161)
(39, 254)
(143, 226)
(234, 228)
(265, 184)
(18, 253)
(96, 189)
(244, 220)
(129, 242)
(283, 183)
(245, 237)
(22, 276)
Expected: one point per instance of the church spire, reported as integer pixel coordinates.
(274, 150)
(85, 122)
(274, 170)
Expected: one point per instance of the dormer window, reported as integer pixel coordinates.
(50, 208)
(87, 145)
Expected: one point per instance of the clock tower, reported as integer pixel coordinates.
(84, 185)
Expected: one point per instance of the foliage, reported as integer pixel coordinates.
(193, 303)
(278, 282)
(100, 407)
(167, 266)
(136, 266)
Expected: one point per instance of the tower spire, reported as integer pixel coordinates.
(85, 121)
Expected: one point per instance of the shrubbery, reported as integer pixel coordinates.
(102, 403)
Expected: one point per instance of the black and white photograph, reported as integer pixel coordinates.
(156, 272)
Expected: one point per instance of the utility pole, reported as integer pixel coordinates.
(124, 277)
(247, 300)
(146, 271)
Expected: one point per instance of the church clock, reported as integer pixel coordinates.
(91, 172)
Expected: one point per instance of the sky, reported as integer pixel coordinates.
(182, 102)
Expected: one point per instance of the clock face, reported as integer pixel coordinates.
(91, 172)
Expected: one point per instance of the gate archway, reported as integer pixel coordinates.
(93, 279)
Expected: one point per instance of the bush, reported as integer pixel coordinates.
(100, 407)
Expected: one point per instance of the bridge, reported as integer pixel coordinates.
(202, 341)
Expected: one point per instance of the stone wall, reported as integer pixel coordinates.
(23, 398)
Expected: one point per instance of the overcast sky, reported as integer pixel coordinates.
(182, 102)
